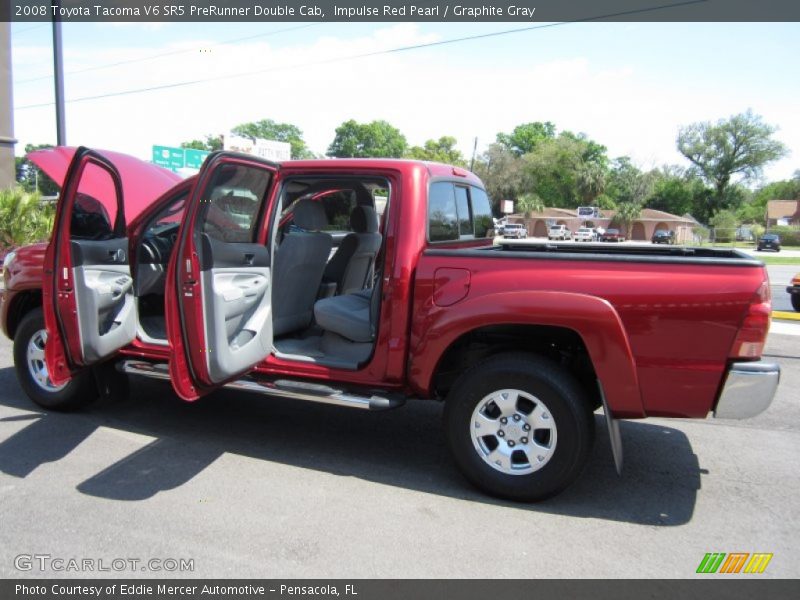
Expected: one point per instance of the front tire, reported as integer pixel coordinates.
(519, 427)
(796, 302)
(32, 375)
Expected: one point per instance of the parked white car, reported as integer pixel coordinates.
(584, 234)
(558, 232)
(515, 230)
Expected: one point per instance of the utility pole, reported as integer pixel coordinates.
(474, 150)
(58, 79)
(8, 173)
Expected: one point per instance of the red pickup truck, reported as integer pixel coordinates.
(365, 283)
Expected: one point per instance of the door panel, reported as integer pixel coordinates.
(87, 292)
(237, 306)
(104, 297)
(219, 313)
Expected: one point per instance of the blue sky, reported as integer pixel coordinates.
(627, 85)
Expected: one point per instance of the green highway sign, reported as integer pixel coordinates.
(193, 159)
(178, 158)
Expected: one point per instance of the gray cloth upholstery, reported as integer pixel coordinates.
(348, 316)
(309, 215)
(298, 267)
(363, 219)
(352, 266)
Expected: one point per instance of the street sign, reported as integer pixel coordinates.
(178, 158)
(267, 149)
(193, 159)
(168, 157)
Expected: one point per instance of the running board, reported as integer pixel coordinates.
(281, 388)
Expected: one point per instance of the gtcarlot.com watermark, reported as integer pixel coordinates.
(60, 564)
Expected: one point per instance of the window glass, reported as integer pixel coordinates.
(171, 216)
(338, 205)
(462, 205)
(95, 207)
(232, 202)
(380, 197)
(442, 215)
(481, 212)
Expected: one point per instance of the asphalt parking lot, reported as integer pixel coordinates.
(253, 487)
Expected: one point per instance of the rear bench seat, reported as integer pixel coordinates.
(352, 316)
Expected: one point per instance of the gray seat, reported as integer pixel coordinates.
(352, 316)
(352, 266)
(298, 266)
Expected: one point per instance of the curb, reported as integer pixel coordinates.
(783, 314)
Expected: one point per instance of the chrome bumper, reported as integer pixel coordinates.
(748, 391)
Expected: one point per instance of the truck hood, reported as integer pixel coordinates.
(142, 182)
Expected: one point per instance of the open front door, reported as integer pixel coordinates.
(218, 293)
(88, 292)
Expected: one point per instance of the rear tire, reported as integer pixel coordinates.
(536, 422)
(796, 302)
(32, 374)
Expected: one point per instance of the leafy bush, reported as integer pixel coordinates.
(724, 224)
(24, 219)
(790, 236)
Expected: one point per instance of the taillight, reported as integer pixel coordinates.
(753, 331)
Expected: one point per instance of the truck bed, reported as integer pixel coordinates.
(681, 308)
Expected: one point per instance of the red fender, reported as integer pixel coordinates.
(593, 319)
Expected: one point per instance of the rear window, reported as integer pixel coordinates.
(457, 212)
(442, 215)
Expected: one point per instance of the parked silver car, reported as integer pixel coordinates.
(515, 230)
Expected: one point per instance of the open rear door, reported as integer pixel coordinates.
(88, 293)
(218, 292)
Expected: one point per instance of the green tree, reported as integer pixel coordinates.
(501, 172)
(552, 169)
(565, 171)
(629, 184)
(442, 150)
(377, 139)
(591, 151)
(210, 144)
(677, 191)
(30, 177)
(268, 129)
(591, 183)
(529, 203)
(735, 148)
(605, 202)
(527, 136)
(627, 213)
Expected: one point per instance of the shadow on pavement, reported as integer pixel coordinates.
(403, 448)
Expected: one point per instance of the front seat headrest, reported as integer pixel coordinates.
(364, 220)
(309, 215)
